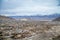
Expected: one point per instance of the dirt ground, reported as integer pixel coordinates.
(30, 30)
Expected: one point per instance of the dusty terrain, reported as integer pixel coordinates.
(11, 29)
(30, 30)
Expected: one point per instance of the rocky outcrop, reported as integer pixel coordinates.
(57, 19)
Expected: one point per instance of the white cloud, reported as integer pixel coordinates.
(30, 7)
(34, 9)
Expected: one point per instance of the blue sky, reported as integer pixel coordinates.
(29, 7)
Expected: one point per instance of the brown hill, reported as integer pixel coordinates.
(4, 20)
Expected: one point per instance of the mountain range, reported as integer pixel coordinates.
(38, 17)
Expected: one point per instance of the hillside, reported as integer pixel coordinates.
(57, 19)
(11, 29)
(4, 20)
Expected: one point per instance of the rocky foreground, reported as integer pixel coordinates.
(33, 30)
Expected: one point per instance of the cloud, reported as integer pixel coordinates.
(9, 4)
(32, 10)
(58, 2)
(29, 7)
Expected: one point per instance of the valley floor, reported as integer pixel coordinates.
(30, 30)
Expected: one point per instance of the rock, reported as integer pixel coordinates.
(21, 35)
(56, 38)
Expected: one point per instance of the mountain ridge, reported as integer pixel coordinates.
(38, 17)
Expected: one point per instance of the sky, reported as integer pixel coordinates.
(29, 7)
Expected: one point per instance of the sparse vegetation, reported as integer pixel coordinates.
(38, 30)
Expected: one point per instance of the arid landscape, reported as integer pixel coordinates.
(11, 29)
(29, 19)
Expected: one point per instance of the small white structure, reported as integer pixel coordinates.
(24, 19)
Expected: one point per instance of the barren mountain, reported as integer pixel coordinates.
(4, 20)
(57, 19)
